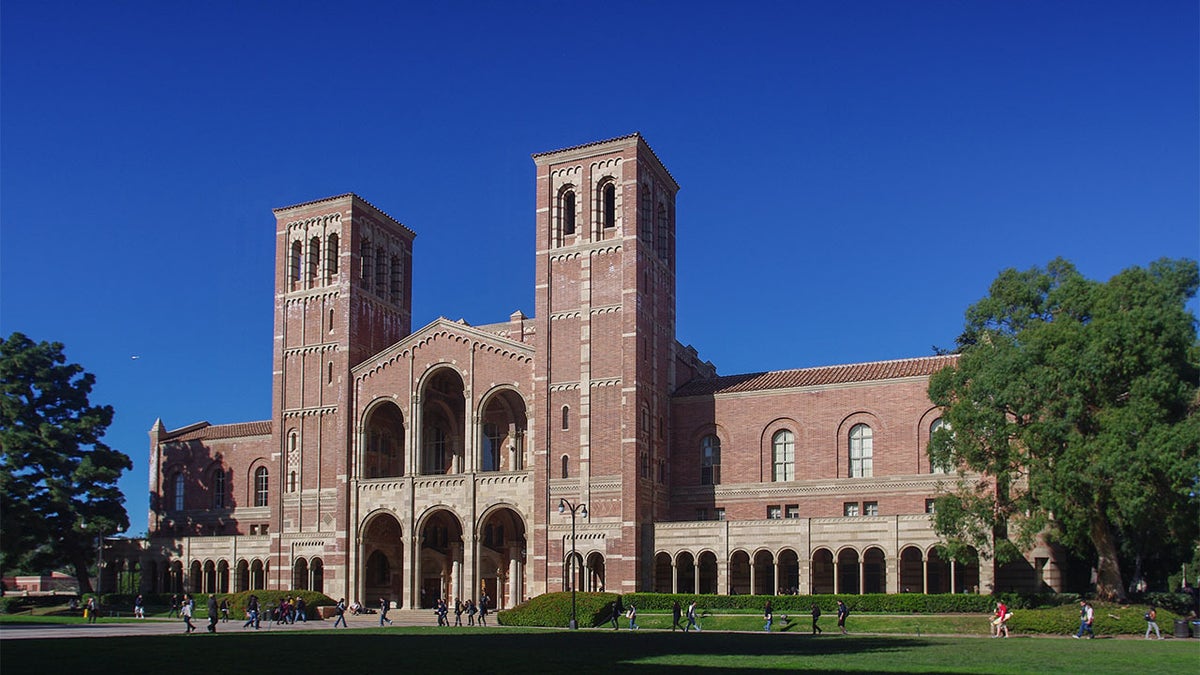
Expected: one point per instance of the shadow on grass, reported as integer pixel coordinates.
(431, 650)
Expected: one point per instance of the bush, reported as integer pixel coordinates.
(901, 603)
(554, 609)
(1109, 619)
(12, 605)
(268, 600)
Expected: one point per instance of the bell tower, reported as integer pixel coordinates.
(605, 317)
(343, 292)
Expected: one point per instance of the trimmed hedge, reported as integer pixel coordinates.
(1109, 619)
(554, 609)
(902, 603)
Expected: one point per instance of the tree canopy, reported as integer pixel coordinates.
(1071, 415)
(58, 480)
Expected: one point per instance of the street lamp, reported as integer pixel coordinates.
(563, 506)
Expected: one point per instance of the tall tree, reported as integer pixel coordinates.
(58, 481)
(1073, 406)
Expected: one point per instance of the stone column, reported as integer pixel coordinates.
(837, 579)
(674, 576)
(862, 576)
(925, 574)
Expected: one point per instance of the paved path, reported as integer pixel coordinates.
(175, 626)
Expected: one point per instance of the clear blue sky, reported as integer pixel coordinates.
(854, 174)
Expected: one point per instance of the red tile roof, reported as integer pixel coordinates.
(813, 377)
(211, 432)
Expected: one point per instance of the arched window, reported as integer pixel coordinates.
(296, 262)
(292, 482)
(566, 417)
(783, 456)
(314, 259)
(331, 258)
(861, 451)
(939, 423)
(661, 236)
(218, 488)
(178, 491)
(435, 451)
(380, 272)
(394, 285)
(646, 217)
(710, 460)
(608, 204)
(566, 212)
(364, 254)
(565, 467)
(261, 484)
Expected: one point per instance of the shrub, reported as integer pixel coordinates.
(1109, 619)
(12, 605)
(554, 609)
(901, 603)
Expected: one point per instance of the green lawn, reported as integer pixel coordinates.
(517, 650)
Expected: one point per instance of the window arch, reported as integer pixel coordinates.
(566, 417)
(218, 488)
(331, 258)
(783, 456)
(364, 254)
(566, 212)
(380, 272)
(646, 217)
(566, 467)
(606, 206)
(937, 424)
(314, 259)
(178, 490)
(296, 262)
(261, 486)
(661, 235)
(861, 451)
(710, 460)
(394, 282)
(292, 482)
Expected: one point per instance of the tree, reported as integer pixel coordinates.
(58, 481)
(1073, 405)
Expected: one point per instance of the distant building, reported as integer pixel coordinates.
(415, 465)
(45, 584)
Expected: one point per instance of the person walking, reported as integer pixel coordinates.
(185, 611)
(139, 607)
(383, 610)
(691, 618)
(301, 610)
(632, 614)
(341, 613)
(483, 609)
(224, 610)
(1086, 617)
(251, 612)
(458, 612)
(842, 612)
(816, 615)
(92, 609)
(174, 613)
(768, 617)
(1152, 623)
(676, 616)
(614, 610)
(470, 612)
(214, 614)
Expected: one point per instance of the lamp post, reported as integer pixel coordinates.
(563, 507)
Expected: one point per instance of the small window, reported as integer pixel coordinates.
(331, 258)
(701, 514)
(566, 418)
(609, 205)
(861, 451)
(364, 254)
(178, 489)
(566, 214)
(292, 482)
(314, 260)
(793, 511)
(645, 465)
(331, 321)
(644, 424)
(870, 508)
(565, 467)
(394, 284)
(263, 529)
(261, 485)
(662, 471)
(774, 513)
(297, 262)
(329, 377)
(850, 509)
(930, 506)
(719, 513)
(710, 460)
(380, 272)
(661, 235)
(218, 483)
(646, 216)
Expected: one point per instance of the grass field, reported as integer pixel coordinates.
(516, 650)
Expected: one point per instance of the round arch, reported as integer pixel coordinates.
(382, 558)
(383, 431)
(440, 556)
(500, 554)
(503, 423)
(442, 420)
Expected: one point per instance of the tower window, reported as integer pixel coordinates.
(861, 451)
(394, 286)
(365, 260)
(566, 213)
(292, 482)
(314, 259)
(261, 485)
(380, 272)
(710, 460)
(661, 239)
(566, 467)
(331, 258)
(296, 262)
(566, 417)
(646, 215)
(608, 205)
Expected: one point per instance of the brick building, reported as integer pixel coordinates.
(428, 463)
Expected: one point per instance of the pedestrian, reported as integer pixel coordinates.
(816, 615)
(614, 610)
(251, 612)
(1152, 622)
(691, 618)
(301, 610)
(632, 614)
(224, 610)
(458, 612)
(842, 612)
(383, 610)
(174, 613)
(1086, 617)
(483, 609)
(341, 613)
(139, 607)
(92, 609)
(768, 617)
(213, 613)
(470, 610)
(185, 610)
(676, 616)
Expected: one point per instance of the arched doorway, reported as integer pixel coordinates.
(739, 573)
(874, 571)
(175, 577)
(849, 579)
(764, 573)
(383, 560)
(223, 576)
(685, 568)
(574, 576)
(258, 575)
(195, 577)
(441, 559)
(317, 571)
(502, 432)
(300, 575)
(442, 422)
(707, 569)
(822, 572)
(789, 572)
(242, 576)
(595, 572)
(501, 557)
(912, 570)
(662, 573)
(383, 442)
